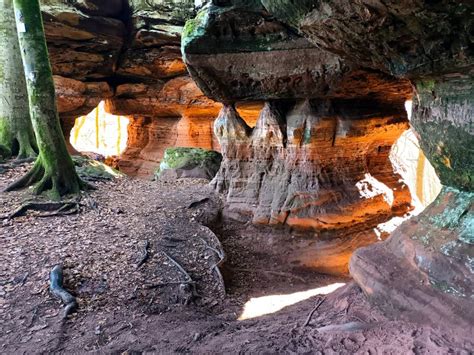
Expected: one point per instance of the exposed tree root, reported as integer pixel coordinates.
(54, 182)
(310, 315)
(14, 163)
(198, 202)
(189, 280)
(57, 289)
(27, 145)
(216, 266)
(51, 208)
(145, 254)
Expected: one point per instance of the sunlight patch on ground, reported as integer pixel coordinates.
(260, 306)
(100, 132)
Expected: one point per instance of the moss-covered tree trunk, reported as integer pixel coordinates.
(16, 132)
(54, 169)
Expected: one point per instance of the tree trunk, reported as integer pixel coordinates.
(16, 132)
(54, 169)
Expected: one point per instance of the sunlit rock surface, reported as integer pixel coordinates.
(424, 271)
(128, 53)
(317, 160)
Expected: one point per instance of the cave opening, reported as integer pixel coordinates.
(100, 132)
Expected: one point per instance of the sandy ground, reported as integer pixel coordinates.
(122, 310)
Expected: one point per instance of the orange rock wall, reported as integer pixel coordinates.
(133, 61)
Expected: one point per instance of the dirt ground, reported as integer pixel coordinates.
(129, 304)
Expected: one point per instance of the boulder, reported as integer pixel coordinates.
(189, 163)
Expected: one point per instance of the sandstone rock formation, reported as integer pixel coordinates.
(430, 43)
(318, 157)
(128, 53)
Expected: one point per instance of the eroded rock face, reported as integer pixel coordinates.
(314, 167)
(237, 54)
(399, 37)
(318, 167)
(428, 262)
(317, 160)
(128, 53)
(427, 272)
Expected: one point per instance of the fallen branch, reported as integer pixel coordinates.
(277, 273)
(310, 315)
(57, 289)
(63, 211)
(145, 254)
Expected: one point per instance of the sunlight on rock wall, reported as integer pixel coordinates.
(100, 132)
(416, 170)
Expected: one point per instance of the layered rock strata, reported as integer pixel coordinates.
(424, 272)
(317, 159)
(128, 53)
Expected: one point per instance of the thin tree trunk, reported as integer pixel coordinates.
(16, 132)
(54, 169)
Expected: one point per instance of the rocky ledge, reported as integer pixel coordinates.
(317, 160)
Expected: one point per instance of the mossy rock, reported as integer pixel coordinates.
(92, 170)
(189, 163)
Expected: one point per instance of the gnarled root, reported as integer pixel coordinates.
(57, 183)
(50, 208)
(57, 289)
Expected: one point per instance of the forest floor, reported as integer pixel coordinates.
(141, 260)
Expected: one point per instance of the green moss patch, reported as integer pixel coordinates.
(179, 158)
(92, 170)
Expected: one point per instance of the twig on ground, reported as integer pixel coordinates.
(145, 254)
(277, 273)
(57, 289)
(310, 315)
(23, 279)
(33, 317)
